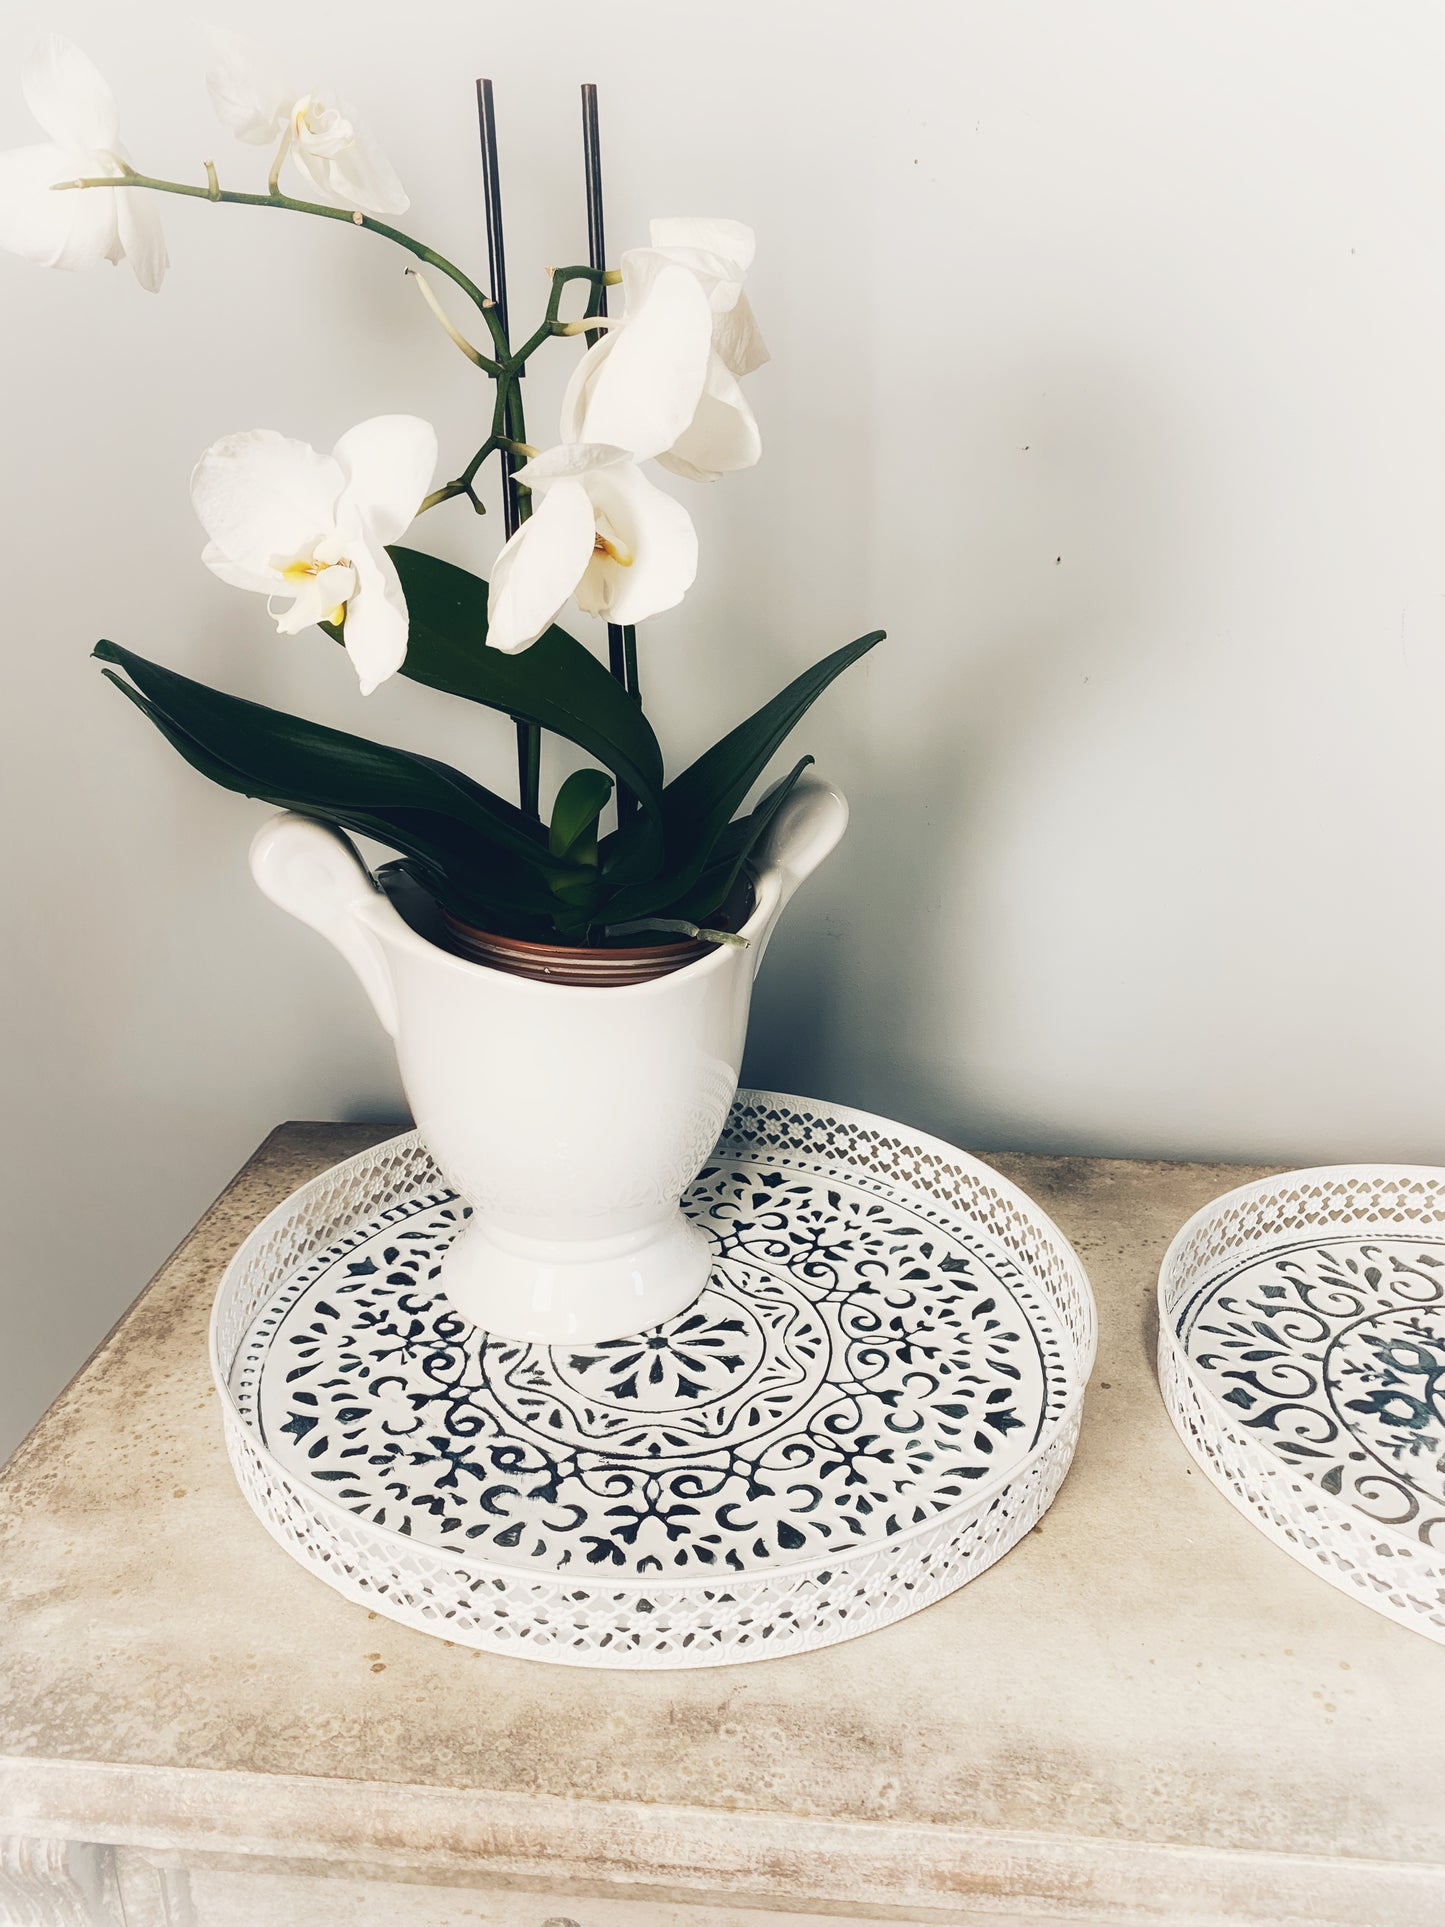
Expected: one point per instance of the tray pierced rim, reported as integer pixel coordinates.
(666, 1621)
(978, 1499)
(1328, 1535)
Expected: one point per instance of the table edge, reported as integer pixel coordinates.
(730, 1853)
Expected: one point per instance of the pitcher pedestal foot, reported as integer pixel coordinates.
(570, 1291)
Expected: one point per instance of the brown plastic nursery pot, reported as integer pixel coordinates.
(566, 964)
(598, 967)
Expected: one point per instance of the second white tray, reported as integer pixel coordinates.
(1302, 1358)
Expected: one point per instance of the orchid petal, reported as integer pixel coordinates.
(267, 581)
(738, 338)
(579, 387)
(387, 465)
(569, 461)
(261, 496)
(643, 394)
(140, 234)
(316, 165)
(722, 436)
(377, 624)
(68, 97)
(660, 538)
(641, 267)
(698, 430)
(67, 230)
(361, 176)
(736, 335)
(732, 241)
(540, 567)
(321, 130)
(248, 97)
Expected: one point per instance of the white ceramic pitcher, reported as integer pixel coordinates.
(571, 1119)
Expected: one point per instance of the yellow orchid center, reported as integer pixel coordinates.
(300, 571)
(608, 545)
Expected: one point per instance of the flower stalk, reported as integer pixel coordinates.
(354, 217)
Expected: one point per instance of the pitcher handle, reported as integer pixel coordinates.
(807, 828)
(315, 872)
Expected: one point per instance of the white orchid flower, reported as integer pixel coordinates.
(309, 531)
(599, 532)
(664, 382)
(313, 126)
(81, 229)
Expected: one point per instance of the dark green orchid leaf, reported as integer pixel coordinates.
(328, 765)
(698, 805)
(414, 803)
(476, 853)
(556, 683)
(733, 850)
(580, 801)
(448, 861)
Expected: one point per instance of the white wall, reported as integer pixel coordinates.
(1109, 375)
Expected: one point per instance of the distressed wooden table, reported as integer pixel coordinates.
(1145, 1713)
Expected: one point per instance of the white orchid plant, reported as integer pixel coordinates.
(319, 535)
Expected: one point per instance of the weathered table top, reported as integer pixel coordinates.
(1145, 1708)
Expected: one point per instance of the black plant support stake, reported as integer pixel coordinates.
(529, 736)
(596, 241)
(621, 642)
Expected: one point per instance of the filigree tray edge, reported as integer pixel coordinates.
(1326, 1535)
(937, 1548)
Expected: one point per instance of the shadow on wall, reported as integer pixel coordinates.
(377, 1110)
(1052, 579)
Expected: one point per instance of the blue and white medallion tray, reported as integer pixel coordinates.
(875, 1398)
(1302, 1358)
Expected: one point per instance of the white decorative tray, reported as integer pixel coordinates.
(877, 1395)
(1302, 1358)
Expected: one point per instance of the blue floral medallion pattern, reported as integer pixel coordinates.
(1332, 1354)
(857, 1367)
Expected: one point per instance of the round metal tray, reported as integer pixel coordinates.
(1302, 1358)
(877, 1395)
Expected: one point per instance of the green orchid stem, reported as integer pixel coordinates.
(355, 218)
(551, 325)
(448, 492)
